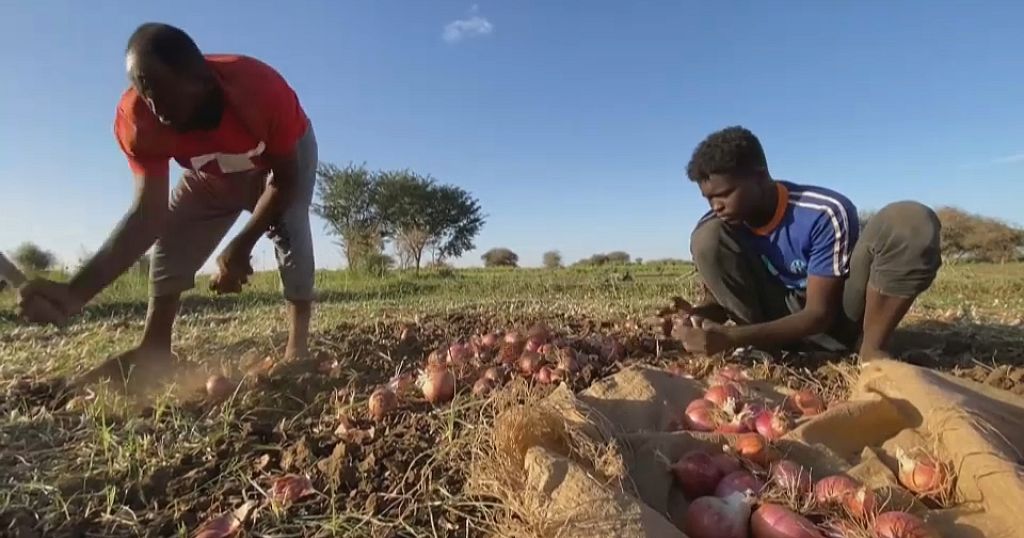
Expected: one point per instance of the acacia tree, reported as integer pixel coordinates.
(421, 215)
(552, 259)
(500, 257)
(966, 236)
(32, 258)
(348, 202)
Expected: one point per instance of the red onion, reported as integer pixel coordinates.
(218, 388)
(738, 482)
(494, 374)
(540, 333)
(402, 383)
(482, 387)
(805, 402)
(775, 521)
(727, 397)
(714, 517)
(772, 424)
(533, 345)
(726, 463)
(557, 375)
(290, 488)
(458, 354)
(382, 402)
(739, 423)
(489, 341)
(847, 492)
(546, 349)
(791, 477)
(753, 447)
(702, 416)
(567, 360)
(529, 363)
(730, 373)
(901, 525)
(513, 338)
(543, 375)
(438, 385)
(923, 475)
(696, 474)
(437, 359)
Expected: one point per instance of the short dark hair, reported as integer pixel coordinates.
(733, 150)
(166, 44)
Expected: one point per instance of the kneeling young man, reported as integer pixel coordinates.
(789, 263)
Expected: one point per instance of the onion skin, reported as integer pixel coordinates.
(438, 385)
(805, 403)
(740, 423)
(714, 517)
(382, 402)
(772, 424)
(696, 474)
(776, 521)
(738, 482)
(901, 525)
(792, 476)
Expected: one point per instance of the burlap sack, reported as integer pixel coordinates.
(977, 428)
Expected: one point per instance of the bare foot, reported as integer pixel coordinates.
(134, 370)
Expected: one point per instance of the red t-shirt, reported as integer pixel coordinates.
(262, 117)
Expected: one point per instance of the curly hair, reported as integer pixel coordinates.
(733, 151)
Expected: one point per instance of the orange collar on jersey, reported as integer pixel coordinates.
(780, 211)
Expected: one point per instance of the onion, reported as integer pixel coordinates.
(437, 359)
(408, 332)
(382, 402)
(402, 383)
(726, 463)
(557, 375)
(218, 388)
(494, 374)
(696, 474)
(714, 517)
(791, 476)
(730, 373)
(482, 387)
(923, 475)
(738, 482)
(847, 492)
(533, 345)
(775, 521)
(458, 354)
(540, 333)
(567, 360)
(901, 525)
(805, 402)
(772, 424)
(290, 488)
(546, 349)
(529, 363)
(513, 338)
(543, 375)
(842, 528)
(753, 447)
(726, 396)
(489, 341)
(702, 416)
(438, 385)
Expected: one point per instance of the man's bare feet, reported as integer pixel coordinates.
(133, 370)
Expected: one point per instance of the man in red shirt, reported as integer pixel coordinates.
(238, 130)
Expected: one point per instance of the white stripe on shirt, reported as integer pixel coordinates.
(842, 213)
(837, 255)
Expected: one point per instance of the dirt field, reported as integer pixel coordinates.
(106, 466)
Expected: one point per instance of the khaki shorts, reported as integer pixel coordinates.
(203, 209)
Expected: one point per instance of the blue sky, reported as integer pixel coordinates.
(571, 121)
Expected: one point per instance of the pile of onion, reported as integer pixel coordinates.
(529, 363)
(728, 396)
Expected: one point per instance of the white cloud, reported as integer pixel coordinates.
(1010, 159)
(473, 26)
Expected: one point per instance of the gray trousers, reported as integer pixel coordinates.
(897, 254)
(203, 209)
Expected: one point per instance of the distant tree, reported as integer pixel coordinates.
(421, 215)
(970, 237)
(347, 201)
(618, 256)
(500, 257)
(552, 259)
(32, 258)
